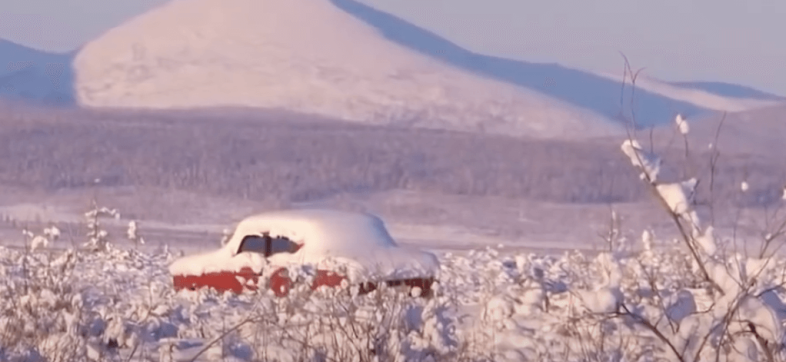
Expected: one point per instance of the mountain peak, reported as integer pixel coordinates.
(307, 56)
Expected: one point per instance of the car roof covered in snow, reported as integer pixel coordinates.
(357, 240)
(317, 229)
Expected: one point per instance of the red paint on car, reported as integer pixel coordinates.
(281, 284)
(326, 278)
(220, 281)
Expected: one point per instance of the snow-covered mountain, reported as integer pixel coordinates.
(656, 103)
(352, 62)
(35, 76)
(307, 56)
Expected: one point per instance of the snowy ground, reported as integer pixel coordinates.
(528, 300)
(519, 280)
(191, 222)
(438, 222)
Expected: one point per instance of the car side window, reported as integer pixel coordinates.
(254, 244)
(266, 245)
(282, 245)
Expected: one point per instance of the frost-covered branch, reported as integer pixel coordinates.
(97, 236)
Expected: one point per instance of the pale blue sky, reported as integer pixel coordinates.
(737, 41)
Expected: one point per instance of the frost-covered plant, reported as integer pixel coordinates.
(76, 306)
(688, 300)
(133, 233)
(42, 309)
(97, 236)
(722, 318)
(487, 306)
(49, 235)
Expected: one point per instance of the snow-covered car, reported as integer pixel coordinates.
(331, 246)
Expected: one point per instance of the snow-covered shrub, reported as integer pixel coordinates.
(697, 302)
(686, 299)
(488, 306)
(132, 233)
(79, 306)
(49, 235)
(322, 324)
(98, 237)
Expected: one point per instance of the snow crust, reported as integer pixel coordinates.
(307, 56)
(331, 239)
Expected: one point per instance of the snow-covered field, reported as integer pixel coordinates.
(490, 306)
(693, 296)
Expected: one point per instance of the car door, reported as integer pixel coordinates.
(263, 245)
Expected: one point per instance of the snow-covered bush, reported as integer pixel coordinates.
(338, 324)
(697, 302)
(97, 236)
(618, 305)
(49, 235)
(132, 233)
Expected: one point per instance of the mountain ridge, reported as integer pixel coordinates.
(583, 90)
(201, 53)
(36, 76)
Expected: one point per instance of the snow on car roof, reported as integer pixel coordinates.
(319, 230)
(359, 240)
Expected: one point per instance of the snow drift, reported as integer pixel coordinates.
(306, 56)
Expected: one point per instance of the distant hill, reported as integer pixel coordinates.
(758, 132)
(35, 76)
(730, 90)
(598, 92)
